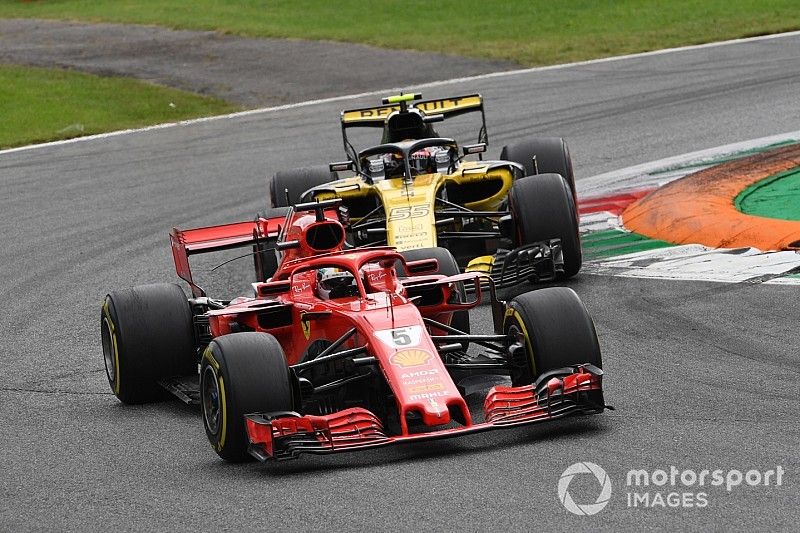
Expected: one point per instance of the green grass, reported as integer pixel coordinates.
(41, 105)
(531, 32)
(774, 197)
(38, 104)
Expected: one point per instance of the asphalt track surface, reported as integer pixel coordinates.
(246, 71)
(703, 375)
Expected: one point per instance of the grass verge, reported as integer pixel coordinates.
(39, 104)
(531, 32)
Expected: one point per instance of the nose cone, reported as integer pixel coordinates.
(434, 413)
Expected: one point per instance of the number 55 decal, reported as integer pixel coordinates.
(402, 213)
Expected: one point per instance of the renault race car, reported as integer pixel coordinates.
(514, 218)
(344, 349)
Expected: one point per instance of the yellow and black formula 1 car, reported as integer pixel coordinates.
(514, 218)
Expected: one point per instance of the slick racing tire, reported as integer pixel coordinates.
(542, 208)
(557, 331)
(241, 373)
(148, 335)
(552, 157)
(266, 263)
(447, 267)
(295, 183)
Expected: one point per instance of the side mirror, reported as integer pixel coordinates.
(470, 149)
(272, 288)
(341, 166)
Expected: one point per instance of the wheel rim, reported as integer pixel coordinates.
(211, 400)
(521, 371)
(108, 352)
(515, 332)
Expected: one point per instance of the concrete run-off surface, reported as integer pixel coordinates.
(249, 72)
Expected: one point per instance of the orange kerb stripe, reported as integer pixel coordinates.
(699, 208)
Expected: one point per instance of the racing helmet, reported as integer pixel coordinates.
(422, 161)
(393, 165)
(333, 283)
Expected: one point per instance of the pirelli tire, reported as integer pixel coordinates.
(147, 334)
(557, 332)
(552, 157)
(241, 373)
(542, 208)
(293, 183)
(447, 267)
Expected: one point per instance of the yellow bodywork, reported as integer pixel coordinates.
(409, 207)
(484, 263)
(378, 114)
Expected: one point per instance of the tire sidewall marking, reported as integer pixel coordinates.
(112, 329)
(223, 400)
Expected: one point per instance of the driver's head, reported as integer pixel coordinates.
(333, 283)
(422, 161)
(393, 165)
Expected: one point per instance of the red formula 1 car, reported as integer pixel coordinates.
(345, 349)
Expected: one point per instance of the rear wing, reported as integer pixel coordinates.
(217, 238)
(376, 117)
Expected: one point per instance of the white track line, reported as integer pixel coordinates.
(389, 90)
(624, 179)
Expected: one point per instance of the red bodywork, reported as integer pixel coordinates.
(386, 322)
(357, 428)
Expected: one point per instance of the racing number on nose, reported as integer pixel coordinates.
(402, 213)
(401, 337)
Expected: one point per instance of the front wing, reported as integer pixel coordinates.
(538, 262)
(556, 395)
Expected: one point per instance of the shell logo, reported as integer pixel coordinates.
(407, 358)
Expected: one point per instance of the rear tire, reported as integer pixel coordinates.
(148, 335)
(552, 157)
(447, 267)
(241, 373)
(542, 208)
(557, 329)
(296, 182)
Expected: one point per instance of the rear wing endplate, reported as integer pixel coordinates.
(189, 242)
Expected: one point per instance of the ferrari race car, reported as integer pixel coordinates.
(514, 218)
(345, 349)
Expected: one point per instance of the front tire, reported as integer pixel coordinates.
(543, 208)
(148, 335)
(293, 183)
(241, 373)
(557, 331)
